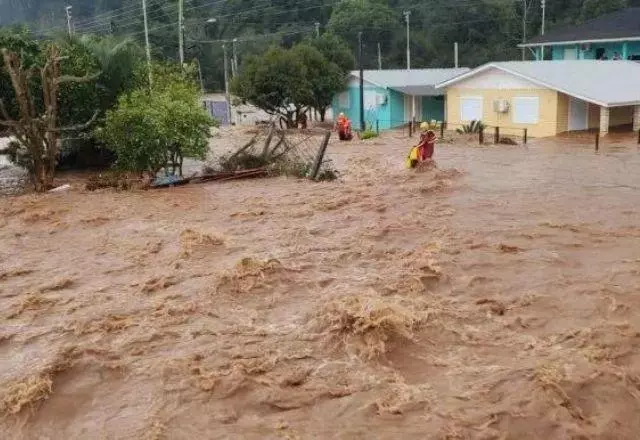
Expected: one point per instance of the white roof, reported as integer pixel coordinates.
(605, 83)
(418, 82)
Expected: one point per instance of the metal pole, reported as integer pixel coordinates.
(317, 29)
(524, 28)
(200, 76)
(226, 81)
(181, 30)
(234, 61)
(407, 14)
(68, 11)
(379, 57)
(362, 126)
(597, 140)
(455, 54)
(544, 13)
(146, 39)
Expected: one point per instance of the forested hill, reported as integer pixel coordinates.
(485, 29)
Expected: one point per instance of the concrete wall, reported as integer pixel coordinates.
(548, 109)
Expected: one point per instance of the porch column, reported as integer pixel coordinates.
(604, 121)
(625, 51)
(636, 118)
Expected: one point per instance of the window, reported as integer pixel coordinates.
(526, 110)
(471, 108)
(343, 100)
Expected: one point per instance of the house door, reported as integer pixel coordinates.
(578, 114)
(571, 54)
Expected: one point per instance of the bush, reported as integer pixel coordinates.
(368, 134)
(472, 127)
(149, 130)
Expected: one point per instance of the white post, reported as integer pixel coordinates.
(379, 57)
(636, 118)
(226, 82)
(146, 39)
(413, 109)
(544, 13)
(455, 53)
(234, 61)
(407, 14)
(604, 120)
(68, 11)
(181, 30)
(317, 29)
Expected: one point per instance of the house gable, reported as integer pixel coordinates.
(496, 79)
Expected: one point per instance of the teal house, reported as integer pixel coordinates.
(394, 97)
(613, 36)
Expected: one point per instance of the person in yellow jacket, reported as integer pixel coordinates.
(424, 150)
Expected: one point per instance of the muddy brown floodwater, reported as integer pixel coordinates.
(495, 297)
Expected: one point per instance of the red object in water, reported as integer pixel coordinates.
(427, 145)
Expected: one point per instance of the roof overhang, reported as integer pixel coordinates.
(596, 40)
(533, 80)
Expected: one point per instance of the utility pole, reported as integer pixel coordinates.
(226, 81)
(525, 11)
(544, 13)
(68, 11)
(379, 57)
(181, 30)
(234, 61)
(455, 54)
(317, 29)
(407, 14)
(146, 39)
(362, 127)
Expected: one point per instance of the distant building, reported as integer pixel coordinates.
(610, 36)
(241, 114)
(547, 97)
(394, 97)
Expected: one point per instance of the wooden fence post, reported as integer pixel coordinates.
(377, 126)
(481, 136)
(525, 136)
(410, 129)
(317, 163)
(442, 129)
(597, 140)
(496, 136)
(638, 137)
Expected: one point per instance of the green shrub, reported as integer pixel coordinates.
(151, 129)
(368, 134)
(472, 127)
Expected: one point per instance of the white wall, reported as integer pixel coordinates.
(496, 79)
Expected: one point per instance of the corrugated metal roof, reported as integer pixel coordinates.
(418, 82)
(605, 83)
(618, 25)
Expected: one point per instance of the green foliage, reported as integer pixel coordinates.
(335, 50)
(148, 129)
(472, 127)
(18, 40)
(594, 8)
(276, 82)
(368, 134)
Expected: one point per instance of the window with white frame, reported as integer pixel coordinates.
(471, 108)
(525, 110)
(343, 100)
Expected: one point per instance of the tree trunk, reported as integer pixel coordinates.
(323, 113)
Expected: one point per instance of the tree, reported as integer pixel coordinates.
(276, 82)
(374, 18)
(325, 77)
(335, 50)
(38, 130)
(594, 8)
(153, 129)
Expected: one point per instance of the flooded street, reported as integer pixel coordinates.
(494, 297)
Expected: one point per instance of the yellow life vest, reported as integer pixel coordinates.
(412, 158)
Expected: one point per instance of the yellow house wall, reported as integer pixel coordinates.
(594, 116)
(547, 125)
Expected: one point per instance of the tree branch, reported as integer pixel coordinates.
(77, 127)
(77, 79)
